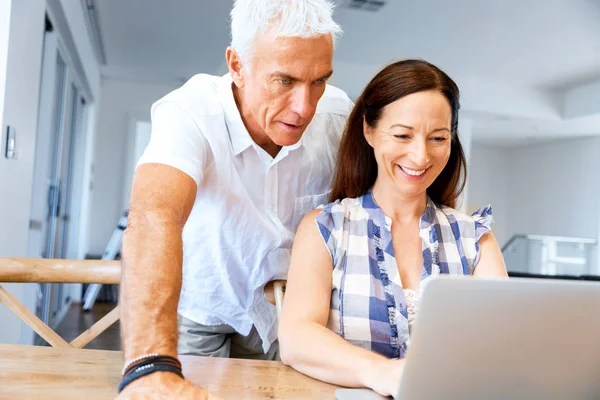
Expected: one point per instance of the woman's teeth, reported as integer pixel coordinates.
(413, 172)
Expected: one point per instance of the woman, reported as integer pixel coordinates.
(359, 262)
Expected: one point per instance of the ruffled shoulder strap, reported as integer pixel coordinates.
(458, 234)
(333, 220)
(483, 219)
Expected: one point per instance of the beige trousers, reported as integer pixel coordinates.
(221, 341)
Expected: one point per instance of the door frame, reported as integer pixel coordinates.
(61, 142)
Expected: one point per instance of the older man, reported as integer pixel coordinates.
(233, 165)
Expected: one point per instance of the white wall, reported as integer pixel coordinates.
(72, 17)
(13, 335)
(143, 132)
(20, 104)
(489, 172)
(75, 19)
(122, 103)
(555, 188)
(465, 131)
(19, 91)
(4, 31)
(546, 189)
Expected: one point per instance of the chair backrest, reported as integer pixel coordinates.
(34, 270)
(274, 292)
(42, 270)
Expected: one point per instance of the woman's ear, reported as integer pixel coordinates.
(368, 132)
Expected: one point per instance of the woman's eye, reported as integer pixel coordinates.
(439, 139)
(402, 136)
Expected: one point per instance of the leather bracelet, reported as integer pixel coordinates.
(147, 370)
(151, 360)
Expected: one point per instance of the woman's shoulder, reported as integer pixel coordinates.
(479, 222)
(334, 219)
(483, 215)
(344, 205)
(338, 213)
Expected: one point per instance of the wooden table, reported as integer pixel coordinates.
(32, 372)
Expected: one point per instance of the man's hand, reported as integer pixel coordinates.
(163, 385)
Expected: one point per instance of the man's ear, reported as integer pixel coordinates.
(235, 66)
(368, 132)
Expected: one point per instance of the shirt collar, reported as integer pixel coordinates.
(238, 134)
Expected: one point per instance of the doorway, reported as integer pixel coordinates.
(58, 172)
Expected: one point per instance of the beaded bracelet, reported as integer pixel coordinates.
(136, 360)
(167, 360)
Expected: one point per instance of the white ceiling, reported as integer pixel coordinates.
(513, 132)
(547, 43)
(164, 40)
(550, 45)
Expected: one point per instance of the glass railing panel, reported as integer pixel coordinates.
(550, 255)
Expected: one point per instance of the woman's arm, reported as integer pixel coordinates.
(491, 262)
(305, 342)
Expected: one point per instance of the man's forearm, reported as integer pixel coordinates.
(150, 285)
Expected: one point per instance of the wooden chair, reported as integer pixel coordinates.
(274, 292)
(32, 270)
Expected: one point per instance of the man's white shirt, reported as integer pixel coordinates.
(239, 234)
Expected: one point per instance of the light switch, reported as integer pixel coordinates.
(11, 142)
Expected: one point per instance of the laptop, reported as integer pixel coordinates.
(518, 338)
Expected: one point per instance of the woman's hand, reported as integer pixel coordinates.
(384, 376)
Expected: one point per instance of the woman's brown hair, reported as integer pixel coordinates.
(357, 169)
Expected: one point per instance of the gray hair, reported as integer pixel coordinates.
(283, 18)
